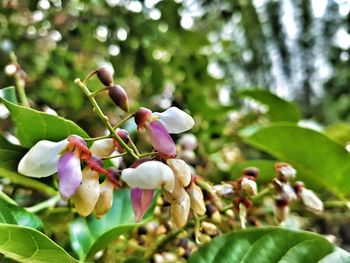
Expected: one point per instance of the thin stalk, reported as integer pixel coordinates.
(114, 156)
(134, 147)
(44, 205)
(97, 138)
(20, 83)
(96, 92)
(104, 118)
(120, 123)
(147, 154)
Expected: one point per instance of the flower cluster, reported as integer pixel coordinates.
(145, 175)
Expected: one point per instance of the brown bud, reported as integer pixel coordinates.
(285, 172)
(141, 117)
(104, 76)
(119, 97)
(251, 171)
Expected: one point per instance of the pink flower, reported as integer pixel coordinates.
(141, 200)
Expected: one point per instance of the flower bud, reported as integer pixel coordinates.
(242, 215)
(181, 170)
(285, 172)
(86, 196)
(119, 97)
(196, 197)
(251, 171)
(224, 190)
(249, 186)
(124, 135)
(180, 210)
(103, 148)
(188, 141)
(104, 76)
(11, 69)
(105, 200)
(209, 229)
(282, 208)
(310, 200)
(142, 116)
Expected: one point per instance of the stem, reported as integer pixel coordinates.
(104, 119)
(89, 76)
(20, 83)
(337, 204)
(147, 154)
(94, 93)
(43, 205)
(134, 147)
(97, 138)
(120, 123)
(114, 156)
(262, 193)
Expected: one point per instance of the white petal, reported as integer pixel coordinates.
(310, 200)
(197, 200)
(103, 148)
(249, 186)
(150, 175)
(181, 170)
(180, 210)
(42, 159)
(175, 120)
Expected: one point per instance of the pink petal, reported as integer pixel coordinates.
(161, 140)
(69, 174)
(140, 200)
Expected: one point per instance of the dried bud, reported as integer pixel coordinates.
(251, 171)
(196, 197)
(181, 170)
(224, 190)
(210, 210)
(105, 200)
(310, 200)
(142, 116)
(285, 172)
(180, 210)
(86, 196)
(119, 97)
(249, 186)
(104, 76)
(281, 208)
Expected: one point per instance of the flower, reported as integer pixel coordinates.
(160, 125)
(141, 200)
(105, 199)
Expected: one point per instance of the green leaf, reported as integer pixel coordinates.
(266, 167)
(25, 244)
(319, 160)
(91, 234)
(20, 215)
(270, 244)
(27, 181)
(10, 154)
(33, 126)
(339, 132)
(5, 214)
(9, 94)
(278, 109)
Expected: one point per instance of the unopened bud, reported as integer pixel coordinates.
(188, 141)
(181, 170)
(310, 200)
(251, 171)
(209, 228)
(224, 190)
(285, 172)
(210, 210)
(104, 76)
(242, 215)
(105, 200)
(141, 118)
(203, 238)
(119, 97)
(86, 196)
(249, 186)
(180, 210)
(196, 197)
(103, 148)
(124, 135)
(10, 69)
(281, 208)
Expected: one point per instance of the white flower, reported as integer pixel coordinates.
(249, 186)
(180, 210)
(181, 170)
(105, 199)
(150, 175)
(197, 200)
(310, 200)
(175, 120)
(42, 159)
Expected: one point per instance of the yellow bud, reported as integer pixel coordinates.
(180, 210)
(181, 170)
(105, 201)
(197, 200)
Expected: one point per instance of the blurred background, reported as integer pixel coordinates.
(194, 54)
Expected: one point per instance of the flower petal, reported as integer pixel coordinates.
(42, 159)
(181, 170)
(180, 210)
(88, 193)
(175, 120)
(150, 175)
(141, 200)
(161, 140)
(105, 200)
(69, 174)
(103, 148)
(197, 200)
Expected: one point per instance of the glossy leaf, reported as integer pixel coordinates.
(266, 167)
(20, 215)
(319, 160)
(270, 245)
(25, 244)
(91, 234)
(339, 132)
(33, 126)
(278, 108)
(10, 154)
(9, 94)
